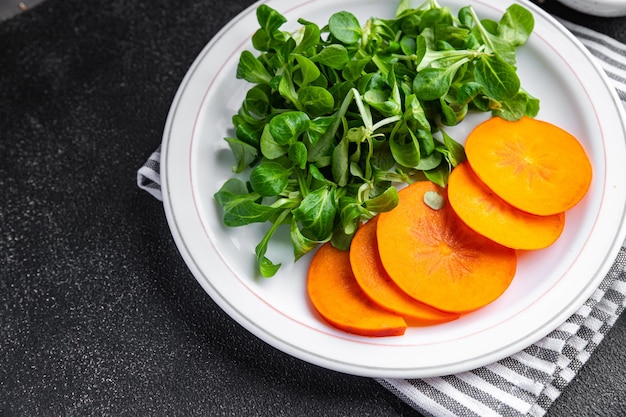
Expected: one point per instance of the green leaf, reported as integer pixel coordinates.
(410, 24)
(285, 49)
(324, 143)
(429, 161)
(498, 78)
(426, 140)
(455, 152)
(405, 149)
(269, 147)
(487, 31)
(516, 25)
(350, 213)
(316, 213)
(310, 37)
(383, 202)
(448, 115)
(248, 134)
(381, 101)
(244, 154)
(318, 177)
(403, 7)
(340, 239)
(261, 41)
(308, 70)
(354, 69)
(372, 81)
(301, 244)
(334, 56)
(297, 154)
(436, 16)
(269, 19)
(340, 164)
(465, 16)
(287, 127)
(269, 178)
(439, 175)
(233, 187)
(288, 90)
(257, 101)
(251, 69)
(415, 113)
(522, 104)
(532, 105)
(452, 36)
(317, 127)
(382, 159)
(432, 83)
(266, 267)
(468, 91)
(317, 101)
(345, 27)
(408, 45)
(239, 206)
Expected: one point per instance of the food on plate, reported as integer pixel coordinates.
(339, 114)
(435, 258)
(339, 117)
(380, 288)
(454, 249)
(486, 213)
(531, 164)
(337, 297)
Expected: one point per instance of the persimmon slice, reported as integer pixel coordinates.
(378, 286)
(435, 258)
(337, 297)
(492, 217)
(533, 165)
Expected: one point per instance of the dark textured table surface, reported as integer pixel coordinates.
(98, 312)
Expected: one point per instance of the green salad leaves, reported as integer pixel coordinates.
(336, 115)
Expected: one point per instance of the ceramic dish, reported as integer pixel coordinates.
(603, 8)
(549, 286)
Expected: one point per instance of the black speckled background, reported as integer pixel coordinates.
(99, 315)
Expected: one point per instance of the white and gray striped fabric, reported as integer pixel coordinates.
(149, 175)
(528, 382)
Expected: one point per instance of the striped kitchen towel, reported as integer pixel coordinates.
(528, 382)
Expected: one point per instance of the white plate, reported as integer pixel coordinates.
(604, 8)
(549, 286)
